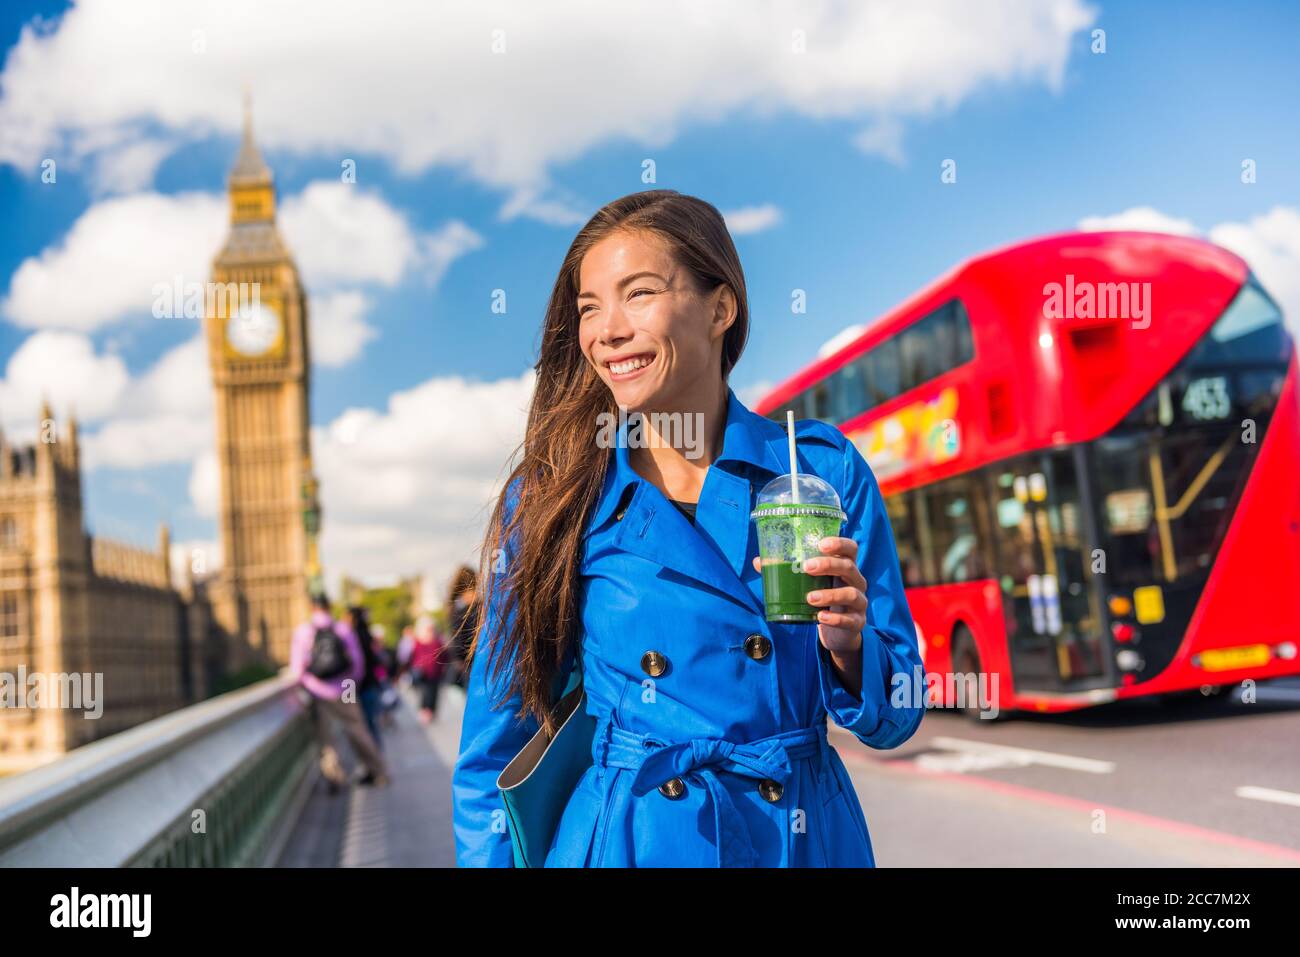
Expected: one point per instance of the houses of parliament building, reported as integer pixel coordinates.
(73, 606)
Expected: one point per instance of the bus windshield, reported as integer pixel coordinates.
(1168, 476)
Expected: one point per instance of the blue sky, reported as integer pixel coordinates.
(1160, 122)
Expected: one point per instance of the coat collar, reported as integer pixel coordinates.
(716, 551)
(749, 441)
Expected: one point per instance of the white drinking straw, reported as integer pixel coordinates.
(794, 462)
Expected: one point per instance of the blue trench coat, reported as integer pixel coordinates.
(738, 715)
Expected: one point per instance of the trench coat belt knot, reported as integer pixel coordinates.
(699, 760)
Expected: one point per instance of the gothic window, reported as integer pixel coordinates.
(10, 621)
(8, 532)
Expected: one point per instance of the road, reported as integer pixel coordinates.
(1211, 782)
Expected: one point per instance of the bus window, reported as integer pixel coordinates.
(795, 404)
(1169, 475)
(903, 520)
(916, 353)
(955, 536)
(883, 372)
(964, 343)
(1249, 331)
(848, 392)
(935, 344)
(818, 402)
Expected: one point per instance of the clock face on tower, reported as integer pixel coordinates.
(254, 330)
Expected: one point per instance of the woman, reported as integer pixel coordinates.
(427, 663)
(711, 722)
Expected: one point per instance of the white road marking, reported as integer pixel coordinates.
(980, 756)
(1263, 693)
(1269, 794)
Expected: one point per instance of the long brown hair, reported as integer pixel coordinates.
(558, 478)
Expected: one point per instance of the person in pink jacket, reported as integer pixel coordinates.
(428, 656)
(325, 658)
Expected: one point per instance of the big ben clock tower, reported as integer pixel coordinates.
(256, 329)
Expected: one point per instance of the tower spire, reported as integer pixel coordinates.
(250, 169)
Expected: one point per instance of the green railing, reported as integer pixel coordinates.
(207, 786)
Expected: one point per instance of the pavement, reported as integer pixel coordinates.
(407, 823)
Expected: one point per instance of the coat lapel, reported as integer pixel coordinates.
(716, 551)
(652, 528)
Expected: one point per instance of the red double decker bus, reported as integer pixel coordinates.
(1089, 446)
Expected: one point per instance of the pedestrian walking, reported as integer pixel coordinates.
(326, 659)
(428, 663)
(371, 687)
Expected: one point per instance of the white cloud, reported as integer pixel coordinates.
(341, 234)
(63, 368)
(408, 488)
(179, 382)
(883, 138)
(1142, 219)
(840, 339)
(752, 219)
(140, 443)
(1270, 244)
(161, 417)
(205, 484)
(554, 212)
(338, 328)
(108, 263)
(438, 250)
(550, 81)
(131, 167)
(750, 394)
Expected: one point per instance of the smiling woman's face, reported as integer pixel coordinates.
(654, 339)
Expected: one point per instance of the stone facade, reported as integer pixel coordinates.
(86, 624)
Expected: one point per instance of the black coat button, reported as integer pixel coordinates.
(654, 664)
(673, 788)
(770, 790)
(758, 647)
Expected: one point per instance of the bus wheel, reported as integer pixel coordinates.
(966, 672)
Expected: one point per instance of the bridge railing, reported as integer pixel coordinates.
(205, 786)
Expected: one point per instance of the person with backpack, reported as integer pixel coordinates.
(326, 659)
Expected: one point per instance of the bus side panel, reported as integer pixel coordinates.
(938, 610)
(1253, 594)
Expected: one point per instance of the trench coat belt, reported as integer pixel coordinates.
(699, 760)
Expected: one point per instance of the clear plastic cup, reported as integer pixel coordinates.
(789, 534)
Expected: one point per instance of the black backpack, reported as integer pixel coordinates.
(329, 655)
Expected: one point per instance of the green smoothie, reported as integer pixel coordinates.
(789, 535)
(784, 591)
